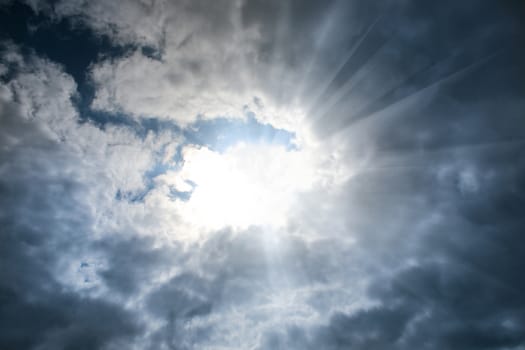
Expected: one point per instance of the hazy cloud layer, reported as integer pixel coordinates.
(393, 220)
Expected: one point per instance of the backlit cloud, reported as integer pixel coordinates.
(261, 175)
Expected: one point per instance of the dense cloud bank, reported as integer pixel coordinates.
(401, 226)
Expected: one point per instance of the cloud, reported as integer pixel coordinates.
(193, 59)
(59, 179)
(87, 248)
(392, 221)
(41, 216)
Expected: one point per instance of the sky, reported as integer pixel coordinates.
(262, 174)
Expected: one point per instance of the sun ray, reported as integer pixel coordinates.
(339, 69)
(414, 100)
(327, 27)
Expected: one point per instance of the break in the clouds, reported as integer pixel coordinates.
(264, 175)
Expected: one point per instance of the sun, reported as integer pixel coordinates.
(249, 184)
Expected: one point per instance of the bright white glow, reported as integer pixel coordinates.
(246, 185)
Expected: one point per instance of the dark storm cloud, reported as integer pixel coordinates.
(133, 262)
(456, 283)
(459, 163)
(464, 293)
(415, 46)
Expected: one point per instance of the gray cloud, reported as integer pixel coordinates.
(420, 248)
(40, 217)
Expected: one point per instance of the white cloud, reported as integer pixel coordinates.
(43, 92)
(105, 161)
(211, 63)
(259, 185)
(141, 86)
